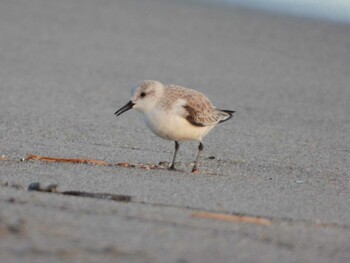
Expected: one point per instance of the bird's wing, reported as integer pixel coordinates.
(192, 105)
(199, 111)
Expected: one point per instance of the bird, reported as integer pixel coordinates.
(175, 113)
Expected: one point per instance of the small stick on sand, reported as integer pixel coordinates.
(233, 218)
(66, 160)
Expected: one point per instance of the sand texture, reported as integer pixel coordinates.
(273, 182)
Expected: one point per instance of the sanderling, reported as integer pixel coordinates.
(175, 113)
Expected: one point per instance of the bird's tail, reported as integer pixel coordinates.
(226, 115)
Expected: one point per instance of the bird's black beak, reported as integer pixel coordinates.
(125, 108)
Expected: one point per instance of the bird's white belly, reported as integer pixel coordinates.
(174, 127)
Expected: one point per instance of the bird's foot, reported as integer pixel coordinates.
(195, 170)
(172, 168)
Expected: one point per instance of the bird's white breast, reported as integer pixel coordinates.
(175, 127)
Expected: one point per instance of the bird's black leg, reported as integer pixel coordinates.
(172, 166)
(200, 148)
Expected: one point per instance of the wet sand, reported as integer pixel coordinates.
(66, 67)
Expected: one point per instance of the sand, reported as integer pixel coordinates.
(67, 66)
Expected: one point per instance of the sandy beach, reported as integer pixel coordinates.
(274, 181)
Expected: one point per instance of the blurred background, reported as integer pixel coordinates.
(333, 10)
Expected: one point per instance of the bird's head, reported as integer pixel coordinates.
(144, 96)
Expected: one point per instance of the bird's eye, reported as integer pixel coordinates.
(143, 94)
